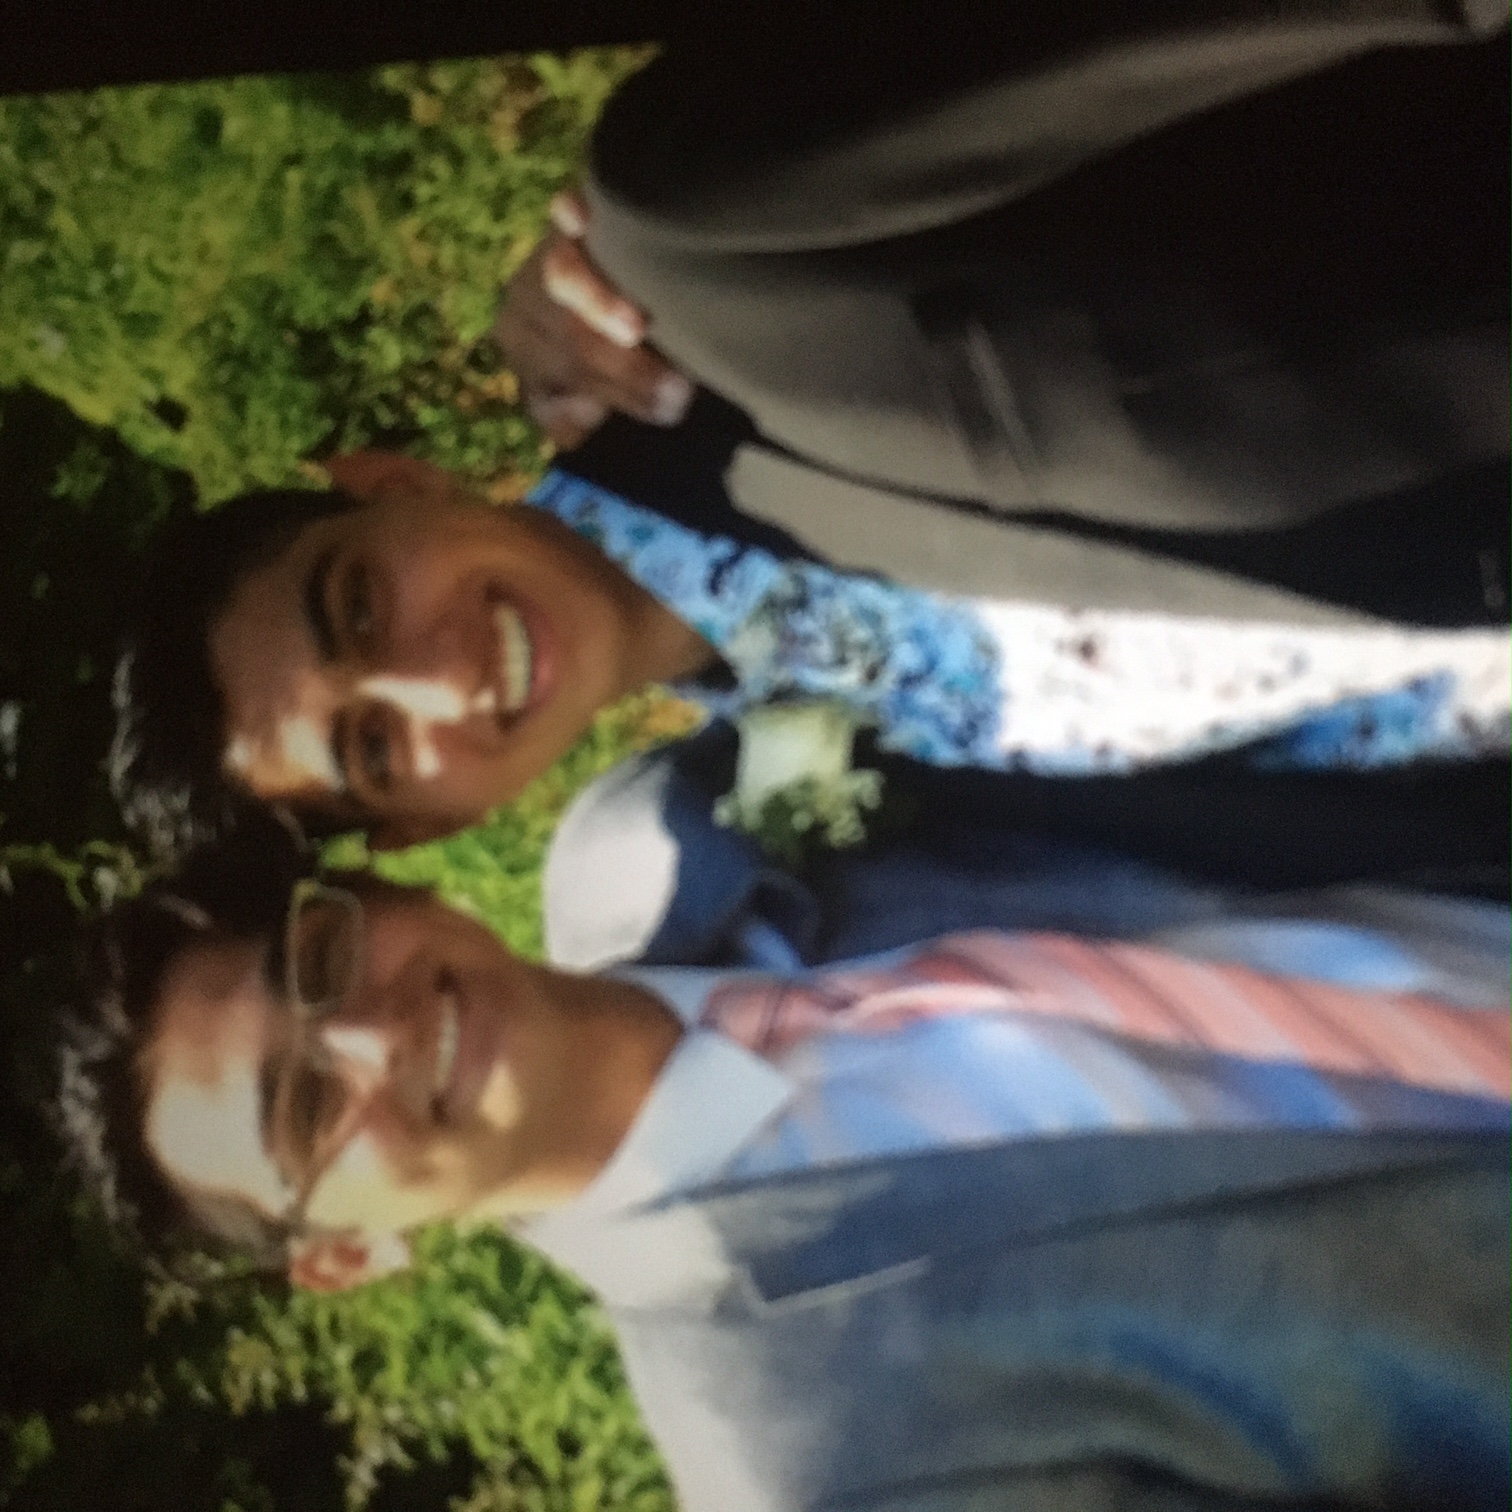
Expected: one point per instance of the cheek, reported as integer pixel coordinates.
(388, 1178)
(306, 753)
(377, 1185)
(435, 552)
(468, 783)
(502, 1106)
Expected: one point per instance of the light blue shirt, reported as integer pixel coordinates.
(720, 1113)
(963, 682)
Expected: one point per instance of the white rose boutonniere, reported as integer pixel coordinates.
(794, 783)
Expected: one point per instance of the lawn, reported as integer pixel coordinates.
(205, 288)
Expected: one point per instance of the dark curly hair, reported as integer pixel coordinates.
(236, 888)
(165, 761)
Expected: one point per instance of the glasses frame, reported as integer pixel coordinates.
(308, 1017)
(305, 891)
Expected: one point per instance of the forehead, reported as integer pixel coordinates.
(201, 1069)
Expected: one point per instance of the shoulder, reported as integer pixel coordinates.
(611, 869)
(638, 870)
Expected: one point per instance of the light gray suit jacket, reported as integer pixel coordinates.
(1217, 1321)
(1092, 266)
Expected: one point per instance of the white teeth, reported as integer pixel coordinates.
(446, 1043)
(514, 648)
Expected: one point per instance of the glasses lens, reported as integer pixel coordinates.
(312, 1102)
(324, 940)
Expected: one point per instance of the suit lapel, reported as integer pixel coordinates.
(883, 1218)
(930, 545)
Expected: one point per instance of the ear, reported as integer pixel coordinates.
(338, 1262)
(374, 476)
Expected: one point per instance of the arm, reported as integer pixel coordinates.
(858, 131)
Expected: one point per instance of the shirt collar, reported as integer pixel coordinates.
(712, 583)
(710, 1100)
(712, 1097)
(684, 989)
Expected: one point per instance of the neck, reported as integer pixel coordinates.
(627, 1035)
(664, 648)
(620, 1039)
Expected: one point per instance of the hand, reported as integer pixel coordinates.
(576, 344)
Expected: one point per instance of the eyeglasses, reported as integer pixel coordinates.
(322, 947)
(312, 1102)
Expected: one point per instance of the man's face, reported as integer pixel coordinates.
(454, 1079)
(416, 661)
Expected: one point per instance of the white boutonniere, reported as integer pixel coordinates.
(794, 783)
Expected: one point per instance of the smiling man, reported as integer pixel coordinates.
(394, 653)
(399, 656)
(465, 1080)
(1008, 1217)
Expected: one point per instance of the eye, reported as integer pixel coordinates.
(310, 1105)
(358, 615)
(324, 955)
(374, 750)
(316, 1102)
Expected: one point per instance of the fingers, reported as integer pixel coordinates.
(634, 380)
(555, 354)
(575, 284)
(577, 344)
(641, 383)
(569, 214)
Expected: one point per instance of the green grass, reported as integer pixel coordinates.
(233, 278)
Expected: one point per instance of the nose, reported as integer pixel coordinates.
(382, 1043)
(430, 653)
(429, 700)
(427, 704)
(361, 1053)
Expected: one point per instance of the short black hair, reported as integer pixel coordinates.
(166, 759)
(236, 887)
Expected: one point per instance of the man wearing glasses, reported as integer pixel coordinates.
(1004, 1216)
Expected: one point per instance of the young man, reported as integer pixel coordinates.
(393, 654)
(1007, 1218)
(982, 283)
(399, 656)
(1232, 420)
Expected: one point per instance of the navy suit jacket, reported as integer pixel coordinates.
(961, 850)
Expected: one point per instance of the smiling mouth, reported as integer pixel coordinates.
(466, 1047)
(516, 659)
(448, 1038)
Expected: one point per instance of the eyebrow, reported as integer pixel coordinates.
(316, 611)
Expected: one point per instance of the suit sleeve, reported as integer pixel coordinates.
(855, 132)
